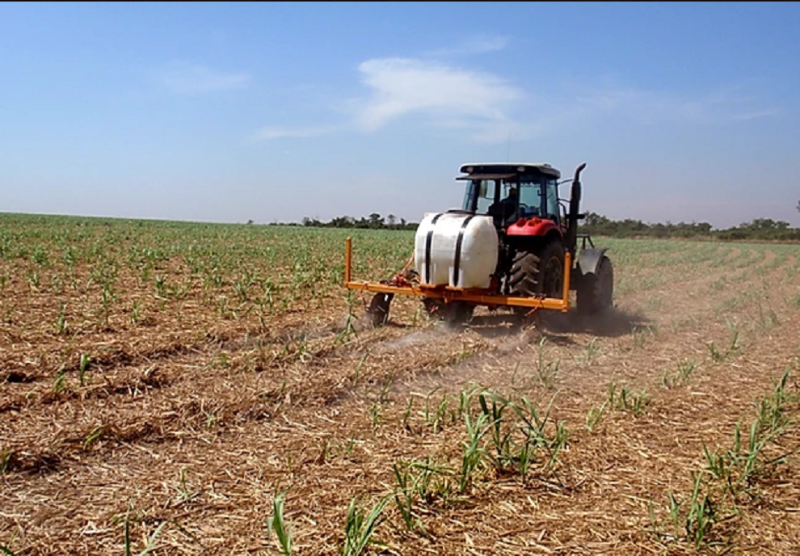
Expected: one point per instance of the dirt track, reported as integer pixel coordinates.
(199, 421)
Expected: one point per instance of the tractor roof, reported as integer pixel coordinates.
(508, 169)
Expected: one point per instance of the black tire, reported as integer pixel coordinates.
(538, 274)
(456, 312)
(595, 292)
(378, 309)
(522, 277)
(432, 306)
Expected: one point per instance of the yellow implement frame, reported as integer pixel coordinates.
(477, 296)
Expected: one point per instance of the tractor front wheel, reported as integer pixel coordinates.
(458, 312)
(455, 312)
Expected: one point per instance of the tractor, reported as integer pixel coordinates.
(513, 243)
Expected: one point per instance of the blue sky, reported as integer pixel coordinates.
(226, 112)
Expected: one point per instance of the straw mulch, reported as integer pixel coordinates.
(199, 422)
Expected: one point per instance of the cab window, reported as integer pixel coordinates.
(530, 198)
(551, 203)
(480, 194)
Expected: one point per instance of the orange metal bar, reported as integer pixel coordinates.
(458, 294)
(567, 277)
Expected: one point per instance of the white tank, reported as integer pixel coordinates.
(445, 241)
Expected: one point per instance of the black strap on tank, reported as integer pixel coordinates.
(459, 241)
(428, 241)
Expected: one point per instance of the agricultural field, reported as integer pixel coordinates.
(213, 389)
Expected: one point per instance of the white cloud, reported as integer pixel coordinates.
(475, 103)
(191, 78)
(651, 107)
(755, 115)
(401, 86)
(277, 132)
(475, 45)
(487, 108)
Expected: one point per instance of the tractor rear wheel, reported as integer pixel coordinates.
(595, 292)
(536, 275)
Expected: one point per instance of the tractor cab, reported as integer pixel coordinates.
(510, 192)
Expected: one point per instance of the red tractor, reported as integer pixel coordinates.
(513, 243)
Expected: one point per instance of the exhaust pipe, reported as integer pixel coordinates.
(574, 209)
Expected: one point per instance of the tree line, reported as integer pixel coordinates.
(764, 229)
(374, 222)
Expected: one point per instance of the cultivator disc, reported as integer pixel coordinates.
(378, 309)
